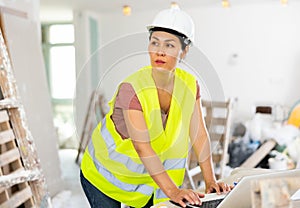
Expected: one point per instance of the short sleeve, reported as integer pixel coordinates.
(127, 98)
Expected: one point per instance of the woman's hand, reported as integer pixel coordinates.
(218, 187)
(181, 196)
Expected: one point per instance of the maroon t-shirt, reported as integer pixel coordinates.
(127, 100)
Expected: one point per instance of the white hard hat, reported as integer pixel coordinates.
(175, 19)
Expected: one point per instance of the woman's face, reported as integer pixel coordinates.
(164, 50)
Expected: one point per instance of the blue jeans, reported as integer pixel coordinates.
(97, 199)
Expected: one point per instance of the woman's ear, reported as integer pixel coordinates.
(184, 52)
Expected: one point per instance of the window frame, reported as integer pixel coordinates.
(46, 47)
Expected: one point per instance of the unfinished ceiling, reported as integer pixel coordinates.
(65, 7)
(109, 6)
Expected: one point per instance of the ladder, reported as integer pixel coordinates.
(217, 117)
(22, 183)
(96, 111)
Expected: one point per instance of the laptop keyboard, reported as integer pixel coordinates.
(206, 204)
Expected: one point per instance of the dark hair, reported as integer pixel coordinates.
(182, 38)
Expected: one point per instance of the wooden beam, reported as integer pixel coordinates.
(18, 13)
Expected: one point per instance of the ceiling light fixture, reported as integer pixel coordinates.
(174, 5)
(225, 4)
(284, 2)
(126, 10)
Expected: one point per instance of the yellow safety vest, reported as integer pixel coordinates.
(111, 163)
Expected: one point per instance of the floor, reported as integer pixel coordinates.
(72, 195)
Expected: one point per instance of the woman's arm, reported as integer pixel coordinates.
(201, 145)
(138, 132)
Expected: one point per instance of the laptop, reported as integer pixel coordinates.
(240, 196)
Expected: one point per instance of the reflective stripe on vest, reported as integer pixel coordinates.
(169, 164)
(159, 194)
(142, 188)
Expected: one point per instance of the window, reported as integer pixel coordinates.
(62, 72)
(59, 55)
(61, 33)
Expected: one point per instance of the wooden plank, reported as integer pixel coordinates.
(18, 198)
(16, 165)
(214, 104)
(3, 196)
(216, 137)
(8, 102)
(4, 148)
(2, 189)
(19, 177)
(6, 136)
(9, 157)
(11, 11)
(259, 154)
(4, 126)
(218, 121)
(17, 127)
(217, 157)
(11, 167)
(29, 203)
(3, 116)
(4, 120)
(13, 172)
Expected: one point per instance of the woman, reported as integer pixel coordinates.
(138, 152)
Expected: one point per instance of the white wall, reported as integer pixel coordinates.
(266, 41)
(253, 48)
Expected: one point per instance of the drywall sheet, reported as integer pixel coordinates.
(22, 37)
